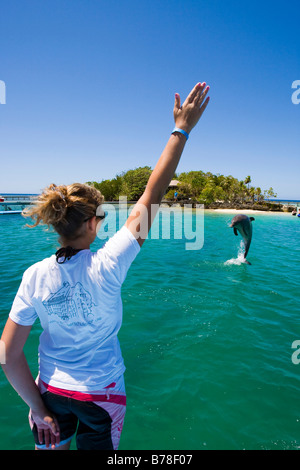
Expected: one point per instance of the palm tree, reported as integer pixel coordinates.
(247, 180)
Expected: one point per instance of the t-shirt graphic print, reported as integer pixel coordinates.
(70, 304)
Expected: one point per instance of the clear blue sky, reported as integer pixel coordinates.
(90, 88)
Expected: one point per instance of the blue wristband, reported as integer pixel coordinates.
(176, 129)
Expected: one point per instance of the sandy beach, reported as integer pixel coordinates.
(247, 211)
(224, 211)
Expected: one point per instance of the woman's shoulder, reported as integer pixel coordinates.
(39, 266)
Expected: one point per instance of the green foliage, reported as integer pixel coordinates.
(135, 181)
(111, 189)
(130, 184)
(169, 196)
(269, 193)
(203, 187)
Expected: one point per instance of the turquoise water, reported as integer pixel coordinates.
(207, 342)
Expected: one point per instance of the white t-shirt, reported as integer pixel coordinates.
(80, 309)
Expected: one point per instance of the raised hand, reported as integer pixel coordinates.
(187, 115)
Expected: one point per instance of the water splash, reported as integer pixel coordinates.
(240, 257)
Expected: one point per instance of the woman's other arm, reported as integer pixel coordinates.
(17, 371)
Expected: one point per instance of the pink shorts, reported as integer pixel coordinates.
(95, 418)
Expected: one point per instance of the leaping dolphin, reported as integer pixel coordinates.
(243, 224)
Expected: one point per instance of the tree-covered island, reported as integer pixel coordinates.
(195, 187)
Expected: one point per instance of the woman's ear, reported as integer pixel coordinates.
(92, 224)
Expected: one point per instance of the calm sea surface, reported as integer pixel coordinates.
(207, 340)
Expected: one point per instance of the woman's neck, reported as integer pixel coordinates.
(76, 244)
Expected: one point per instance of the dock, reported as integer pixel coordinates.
(14, 204)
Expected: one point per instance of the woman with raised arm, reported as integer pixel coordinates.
(77, 296)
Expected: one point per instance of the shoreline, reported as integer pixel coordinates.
(226, 211)
(267, 207)
(234, 207)
(231, 210)
(247, 211)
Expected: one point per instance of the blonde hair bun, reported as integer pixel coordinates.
(65, 208)
(57, 198)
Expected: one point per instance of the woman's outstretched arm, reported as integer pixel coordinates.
(186, 117)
